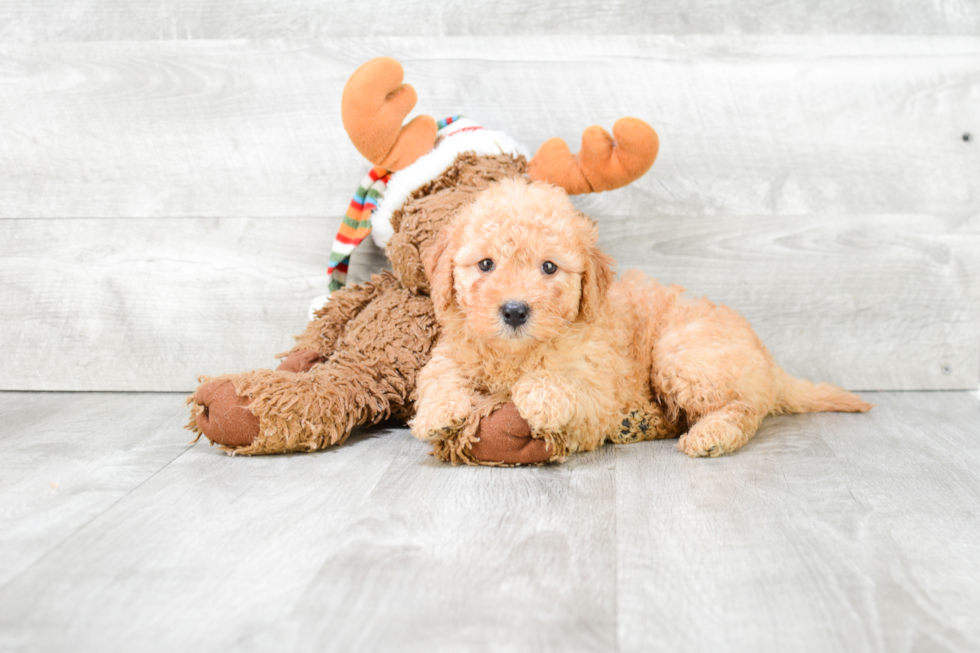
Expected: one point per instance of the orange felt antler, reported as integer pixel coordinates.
(605, 162)
(374, 104)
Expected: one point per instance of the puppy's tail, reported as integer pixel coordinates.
(802, 396)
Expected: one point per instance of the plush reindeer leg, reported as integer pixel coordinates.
(604, 162)
(505, 438)
(370, 377)
(222, 416)
(319, 408)
(495, 434)
(374, 104)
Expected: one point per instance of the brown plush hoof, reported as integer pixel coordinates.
(226, 418)
(300, 361)
(505, 437)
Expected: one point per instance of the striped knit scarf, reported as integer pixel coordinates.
(356, 225)
(357, 221)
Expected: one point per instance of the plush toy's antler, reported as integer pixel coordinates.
(374, 104)
(605, 162)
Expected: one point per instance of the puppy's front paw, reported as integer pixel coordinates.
(545, 406)
(440, 418)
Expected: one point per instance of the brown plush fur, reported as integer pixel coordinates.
(357, 361)
(431, 206)
(596, 360)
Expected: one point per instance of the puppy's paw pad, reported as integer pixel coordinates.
(634, 427)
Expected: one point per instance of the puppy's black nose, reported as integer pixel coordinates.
(515, 313)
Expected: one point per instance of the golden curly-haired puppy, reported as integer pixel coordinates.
(530, 313)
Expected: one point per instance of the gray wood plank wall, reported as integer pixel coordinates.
(141, 20)
(172, 173)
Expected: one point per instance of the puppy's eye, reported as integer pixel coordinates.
(548, 267)
(485, 265)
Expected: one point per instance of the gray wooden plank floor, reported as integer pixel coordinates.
(827, 532)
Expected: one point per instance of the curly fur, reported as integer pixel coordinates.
(596, 360)
(357, 361)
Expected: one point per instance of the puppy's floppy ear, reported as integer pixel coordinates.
(597, 276)
(439, 267)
